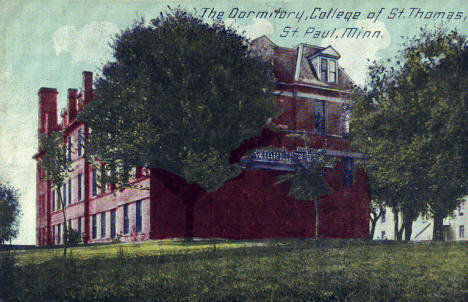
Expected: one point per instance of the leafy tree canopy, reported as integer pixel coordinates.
(180, 95)
(411, 120)
(9, 213)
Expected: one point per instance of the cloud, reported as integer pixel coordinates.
(259, 28)
(88, 44)
(355, 52)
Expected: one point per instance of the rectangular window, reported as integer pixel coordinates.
(138, 220)
(319, 115)
(125, 218)
(324, 70)
(69, 191)
(80, 195)
(69, 149)
(94, 226)
(103, 224)
(383, 215)
(53, 200)
(79, 225)
(112, 223)
(53, 234)
(94, 179)
(64, 194)
(79, 142)
(59, 233)
(461, 231)
(348, 169)
(332, 71)
(102, 182)
(383, 235)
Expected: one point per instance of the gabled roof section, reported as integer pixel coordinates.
(330, 52)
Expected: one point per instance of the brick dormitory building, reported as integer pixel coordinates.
(312, 90)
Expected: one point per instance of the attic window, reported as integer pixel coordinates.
(328, 70)
(332, 71)
(324, 70)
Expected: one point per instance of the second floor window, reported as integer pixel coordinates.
(69, 149)
(319, 115)
(383, 215)
(80, 144)
(69, 191)
(94, 180)
(53, 200)
(80, 195)
(64, 194)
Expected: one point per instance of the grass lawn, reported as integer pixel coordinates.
(288, 270)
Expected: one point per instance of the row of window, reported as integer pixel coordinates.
(105, 230)
(67, 190)
(79, 145)
(112, 226)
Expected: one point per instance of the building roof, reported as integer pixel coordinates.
(293, 65)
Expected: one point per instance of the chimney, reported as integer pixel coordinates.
(47, 109)
(88, 86)
(72, 104)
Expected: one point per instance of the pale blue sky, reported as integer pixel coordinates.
(49, 43)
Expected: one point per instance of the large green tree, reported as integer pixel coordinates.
(411, 120)
(9, 213)
(57, 166)
(308, 182)
(178, 98)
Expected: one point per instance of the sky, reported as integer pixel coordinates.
(50, 43)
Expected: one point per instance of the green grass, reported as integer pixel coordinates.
(289, 270)
(146, 248)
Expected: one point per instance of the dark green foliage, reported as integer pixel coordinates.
(289, 271)
(9, 213)
(412, 122)
(180, 95)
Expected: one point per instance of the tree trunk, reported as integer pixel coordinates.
(189, 204)
(212, 218)
(65, 229)
(317, 222)
(437, 233)
(396, 221)
(374, 217)
(408, 230)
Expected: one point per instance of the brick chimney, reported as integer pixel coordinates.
(72, 104)
(88, 86)
(47, 109)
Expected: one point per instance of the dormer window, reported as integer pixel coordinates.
(332, 76)
(328, 70)
(324, 69)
